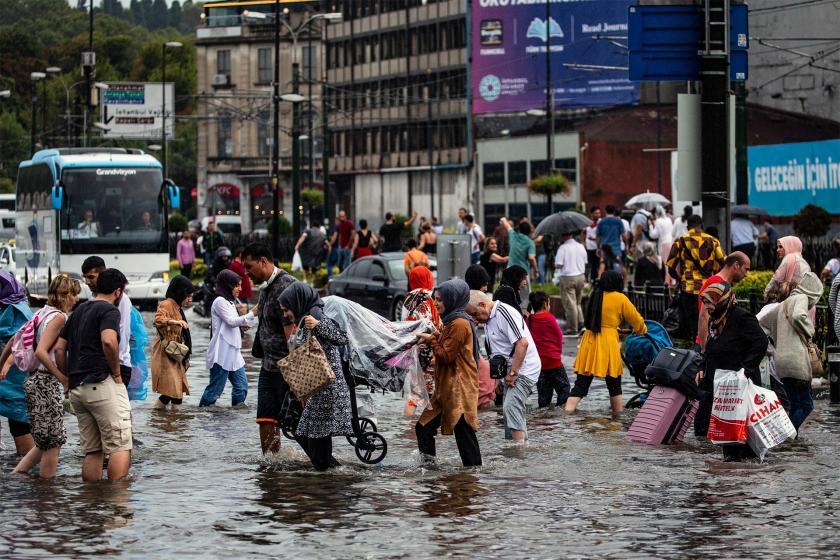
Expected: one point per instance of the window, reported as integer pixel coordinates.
(494, 174)
(224, 140)
(264, 133)
(265, 63)
(568, 167)
(517, 174)
(310, 55)
(539, 168)
(223, 63)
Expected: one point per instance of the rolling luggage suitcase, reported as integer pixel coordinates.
(664, 418)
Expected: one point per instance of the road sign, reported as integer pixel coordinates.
(664, 66)
(135, 110)
(672, 28)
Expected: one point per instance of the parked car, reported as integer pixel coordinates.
(378, 283)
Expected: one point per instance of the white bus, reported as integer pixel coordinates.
(76, 202)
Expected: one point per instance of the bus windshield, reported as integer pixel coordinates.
(112, 209)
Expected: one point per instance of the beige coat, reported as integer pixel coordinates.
(169, 377)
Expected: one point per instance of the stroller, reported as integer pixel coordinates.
(639, 351)
(369, 445)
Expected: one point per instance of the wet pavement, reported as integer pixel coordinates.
(578, 489)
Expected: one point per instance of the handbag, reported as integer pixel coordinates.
(176, 351)
(814, 354)
(306, 369)
(499, 363)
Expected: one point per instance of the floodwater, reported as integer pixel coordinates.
(199, 487)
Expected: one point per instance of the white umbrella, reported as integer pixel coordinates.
(648, 200)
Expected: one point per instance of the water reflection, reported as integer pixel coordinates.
(454, 495)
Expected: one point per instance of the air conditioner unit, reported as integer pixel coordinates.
(221, 80)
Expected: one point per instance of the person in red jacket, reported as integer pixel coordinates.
(549, 340)
(239, 268)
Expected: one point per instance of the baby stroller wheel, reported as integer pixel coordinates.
(371, 448)
(636, 401)
(365, 425)
(288, 433)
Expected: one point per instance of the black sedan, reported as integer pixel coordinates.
(378, 283)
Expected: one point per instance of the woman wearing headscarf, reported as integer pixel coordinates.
(327, 413)
(599, 353)
(419, 305)
(790, 271)
(14, 313)
(662, 232)
(454, 405)
(513, 279)
(224, 353)
(735, 341)
(649, 268)
(169, 375)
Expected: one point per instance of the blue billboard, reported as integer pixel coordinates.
(510, 41)
(786, 177)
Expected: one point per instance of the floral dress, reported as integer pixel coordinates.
(327, 413)
(419, 306)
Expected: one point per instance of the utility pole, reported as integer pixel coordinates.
(89, 65)
(742, 190)
(275, 141)
(429, 147)
(296, 151)
(325, 157)
(549, 99)
(714, 108)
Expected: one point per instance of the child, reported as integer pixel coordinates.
(549, 340)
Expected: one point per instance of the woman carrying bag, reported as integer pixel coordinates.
(326, 413)
(173, 345)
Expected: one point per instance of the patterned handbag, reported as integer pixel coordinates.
(306, 368)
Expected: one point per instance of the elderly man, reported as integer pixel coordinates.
(508, 335)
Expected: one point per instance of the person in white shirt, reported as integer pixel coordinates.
(507, 335)
(744, 235)
(224, 353)
(681, 223)
(624, 237)
(476, 238)
(87, 228)
(662, 232)
(591, 244)
(570, 275)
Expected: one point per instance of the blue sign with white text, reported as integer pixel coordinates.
(786, 177)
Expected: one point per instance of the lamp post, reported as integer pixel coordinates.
(294, 98)
(34, 76)
(166, 45)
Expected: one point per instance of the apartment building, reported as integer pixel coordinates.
(235, 59)
(397, 95)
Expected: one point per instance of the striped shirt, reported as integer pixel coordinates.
(504, 328)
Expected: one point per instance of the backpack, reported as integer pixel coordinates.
(25, 342)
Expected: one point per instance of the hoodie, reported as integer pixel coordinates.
(791, 322)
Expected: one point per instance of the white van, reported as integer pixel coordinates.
(225, 223)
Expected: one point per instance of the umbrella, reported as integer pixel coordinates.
(648, 200)
(562, 223)
(747, 210)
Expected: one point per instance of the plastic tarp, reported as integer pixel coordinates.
(380, 352)
(12, 400)
(137, 385)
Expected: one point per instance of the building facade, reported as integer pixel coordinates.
(398, 98)
(235, 58)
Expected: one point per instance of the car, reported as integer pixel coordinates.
(377, 283)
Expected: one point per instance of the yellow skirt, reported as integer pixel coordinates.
(599, 354)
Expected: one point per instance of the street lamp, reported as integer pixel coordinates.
(166, 45)
(5, 93)
(294, 98)
(34, 76)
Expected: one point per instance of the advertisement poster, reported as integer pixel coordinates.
(588, 54)
(786, 177)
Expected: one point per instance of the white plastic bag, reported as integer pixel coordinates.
(768, 424)
(297, 264)
(728, 423)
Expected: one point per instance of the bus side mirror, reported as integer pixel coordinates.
(57, 196)
(173, 193)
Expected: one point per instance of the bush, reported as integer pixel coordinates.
(177, 222)
(549, 185)
(756, 279)
(285, 226)
(312, 197)
(199, 270)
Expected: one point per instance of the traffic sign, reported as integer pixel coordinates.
(664, 66)
(135, 110)
(672, 28)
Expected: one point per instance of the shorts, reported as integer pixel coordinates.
(19, 429)
(582, 383)
(45, 406)
(514, 406)
(271, 390)
(104, 415)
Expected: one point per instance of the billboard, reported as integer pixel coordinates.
(588, 54)
(786, 177)
(135, 110)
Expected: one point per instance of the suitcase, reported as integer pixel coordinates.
(664, 418)
(672, 366)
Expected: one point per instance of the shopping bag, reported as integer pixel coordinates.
(297, 263)
(768, 424)
(728, 423)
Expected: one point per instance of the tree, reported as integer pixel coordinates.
(811, 222)
(175, 15)
(14, 145)
(160, 15)
(548, 185)
(137, 12)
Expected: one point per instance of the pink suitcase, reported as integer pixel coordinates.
(664, 418)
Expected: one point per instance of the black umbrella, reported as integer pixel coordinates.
(747, 210)
(562, 223)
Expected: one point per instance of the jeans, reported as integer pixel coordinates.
(475, 258)
(332, 260)
(571, 294)
(218, 378)
(801, 401)
(465, 438)
(343, 259)
(553, 381)
(541, 269)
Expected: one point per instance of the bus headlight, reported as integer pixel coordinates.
(162, 276)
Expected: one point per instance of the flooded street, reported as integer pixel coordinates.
(199, 487)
